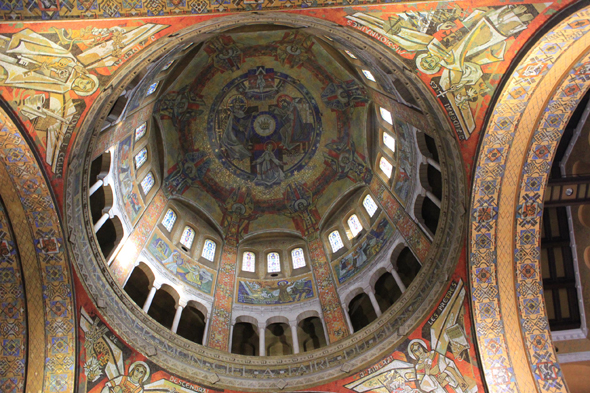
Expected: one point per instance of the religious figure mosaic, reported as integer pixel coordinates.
(267, 292)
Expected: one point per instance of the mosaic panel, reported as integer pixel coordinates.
(269, 292)
(180, 264)
(52, 75)
(329, 300)
(363, 251)
(510, 129)
(124, 262)
(13, 312)
(129, 194)
(43, 222)
(405, 154)
(409, 229)
(219, 327)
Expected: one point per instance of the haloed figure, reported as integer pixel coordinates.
(139, 372)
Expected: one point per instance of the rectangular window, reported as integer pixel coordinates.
(140, 131)
(169, 220)
(147, 183)
(369, 75)
(386, 115)
(386, 167)
(355, 225)
(369, 205)
(209, 250)
(389, 141)
(273, 261)
(249, 262)
(141, 158)
(152, 88)
(298, 258)
(167, 65)
(335, 241)
(187, 238)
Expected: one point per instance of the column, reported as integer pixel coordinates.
(206, 332)
(101, 222)
(95, 187)
(398, 279)
(433, 163)
(433, 198)
(150, 298)
(293, 325)
(231, 336)
(369, 291)
(261, 341)
(177, 316)
(348, 321)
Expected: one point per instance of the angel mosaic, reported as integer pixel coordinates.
(456, 45)
(51, 73)
(434, 367)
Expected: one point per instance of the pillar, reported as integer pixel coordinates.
(433, 198)
(398, 280)
(219, 331)
(206, 332)
(231, 335)
(348, 321)
(150, 298)
(369, 291)
(101, 222)
(177, 316)
(95, 187)
(293, 325)
(262, 341)
(433, 163)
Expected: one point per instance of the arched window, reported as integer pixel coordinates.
(167, 65)
(298, 258)
(389, 141)
(140, 131)
(369, 205)
(152, 88)
(335, 241)
(369, 75)
(147, 183)
(386, 167)
(386, 115)
(188, 235)
(141, 158)
(273, 262)
(355, 225)
(209, 250)
(249, 262)
(350, 54)
(169, 220)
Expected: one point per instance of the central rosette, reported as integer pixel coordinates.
(264, 126)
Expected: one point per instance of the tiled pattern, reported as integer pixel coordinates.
(220, 323)
(124, 263)
(331, 308)
(500, 274)
(106, 9)
(57, 304)
(13, 312)
(412, 233)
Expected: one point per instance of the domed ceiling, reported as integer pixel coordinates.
(260, 128)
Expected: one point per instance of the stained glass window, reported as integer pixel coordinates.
(386, 115)
(209, 250)
(141, 158)
(169, 220)
(167, 65)
(273, 262)
(355, 225)
(249, 262)
(188, 235)
(140, 131)
(298, 258)
(369, 205)
(188, 45)
(335, 241)
(369, 75)
(152, 88)
(389, 141)
(147, 183)
(349, 53)
(386, 167)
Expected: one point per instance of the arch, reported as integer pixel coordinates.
(311, 335)
(245, 339)
(337, 204)
(199, 306)
(386, 291)
(171, 291)
(361, 311)
(163, 306)
(352, 294)
(278, 339)
(507, 224)
(192, 323)
(277, 319)
(408, 266)
(376, 275)
(307, 314)
(395, 251)
(247, 319)
(109, 236)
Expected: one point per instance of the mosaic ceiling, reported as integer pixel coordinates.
(265, 125)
